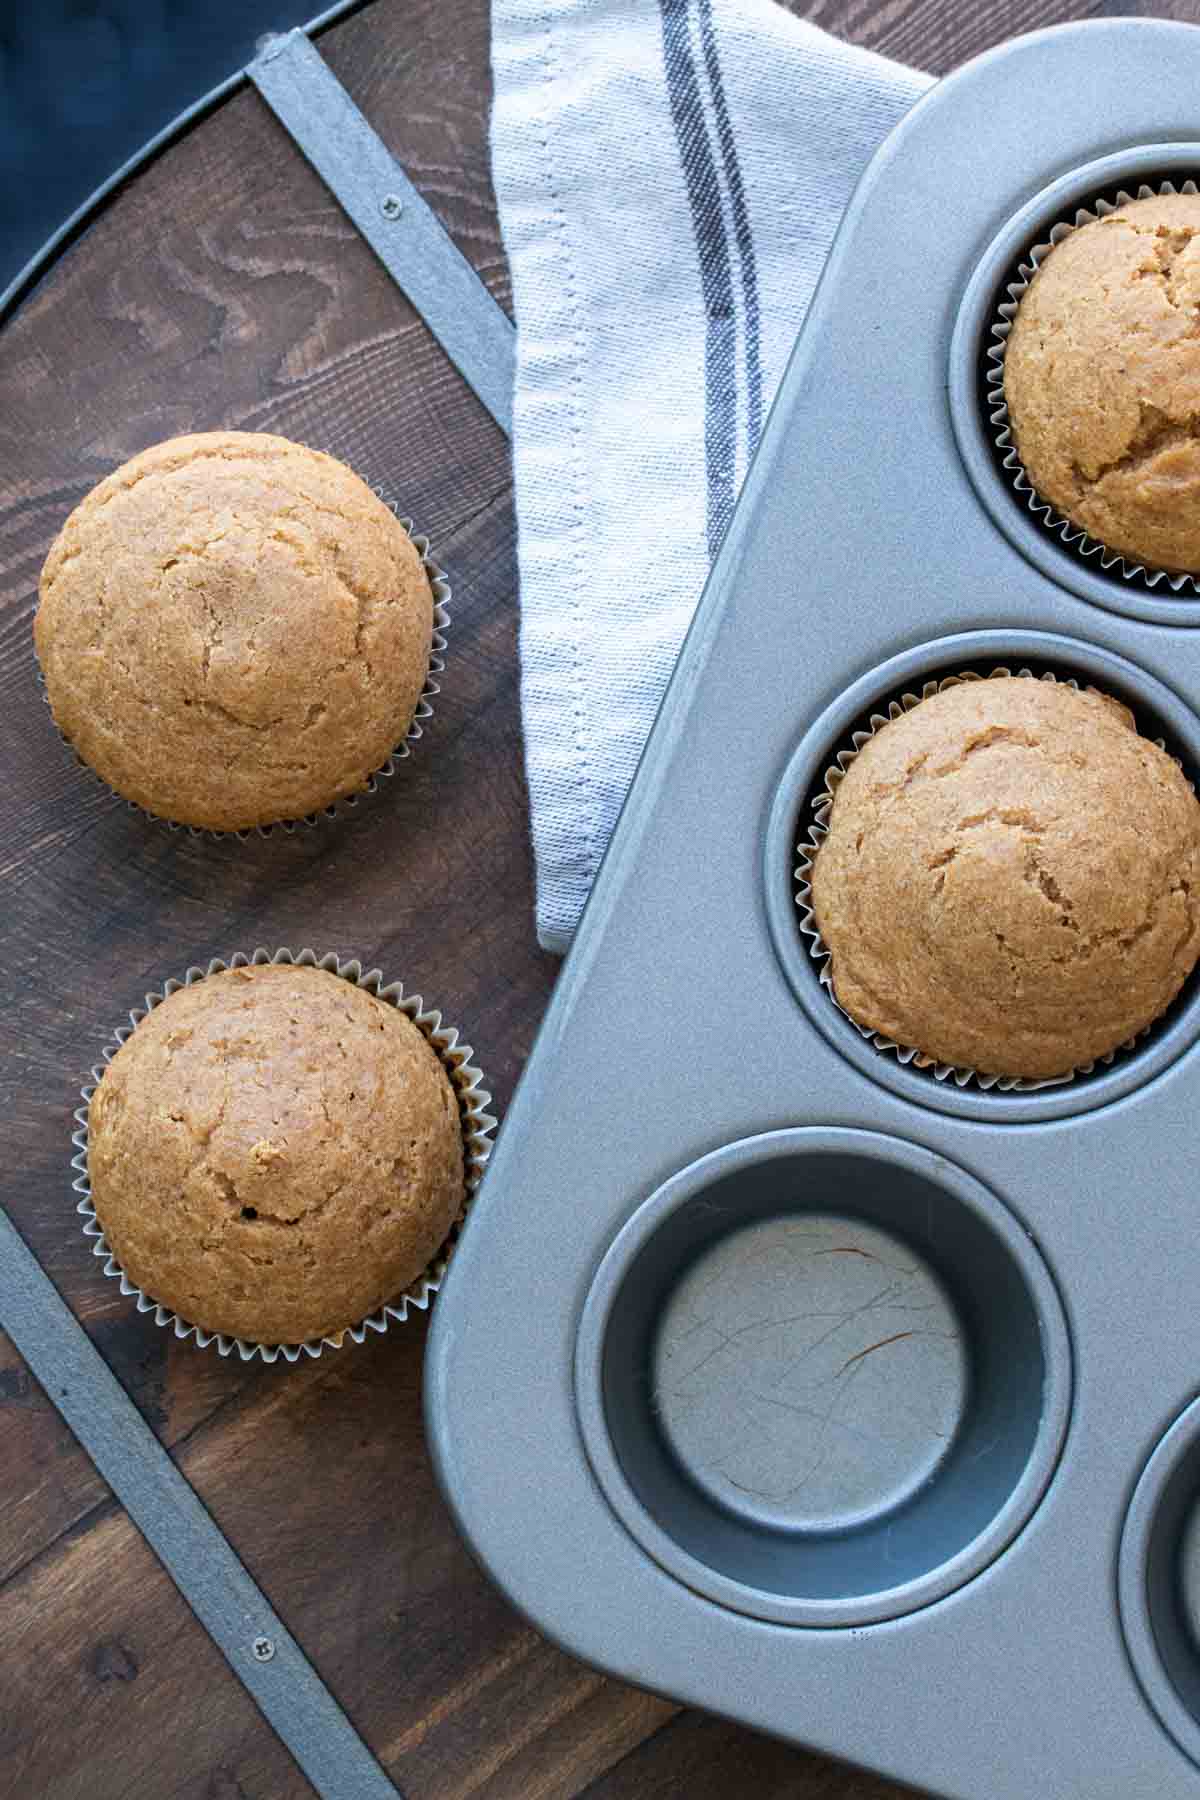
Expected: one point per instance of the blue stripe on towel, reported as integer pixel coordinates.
(741, 227)
(712, 245)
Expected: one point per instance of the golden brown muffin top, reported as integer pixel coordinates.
(274, 1153)
(1011, 880)
(1102, 380)
(233, 630)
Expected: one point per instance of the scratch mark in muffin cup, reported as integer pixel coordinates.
(1074, 536)
(814, 834)
(477, 1122)
(422, 713)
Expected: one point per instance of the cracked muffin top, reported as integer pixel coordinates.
(233, 630)
(1011, 880)
(1102, 380)
(275, 1153)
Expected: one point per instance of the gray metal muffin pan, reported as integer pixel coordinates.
(773, 1374)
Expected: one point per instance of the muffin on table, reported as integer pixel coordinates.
(234, 630)
(1102, 381)
(275, 1154)
(1010, 883)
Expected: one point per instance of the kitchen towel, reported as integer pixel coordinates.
(670, 174)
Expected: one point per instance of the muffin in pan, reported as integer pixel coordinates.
(1102, 380)
(1010, 880)
(234, 630)
(275, 1154)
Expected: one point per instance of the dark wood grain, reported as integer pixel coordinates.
(939, 34)
(224, 287)
(706, 1759)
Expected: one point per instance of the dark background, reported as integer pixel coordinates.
(84, 84)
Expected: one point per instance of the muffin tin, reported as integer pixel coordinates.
(776, 1373)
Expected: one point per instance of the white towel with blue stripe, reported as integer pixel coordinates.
(670, 174)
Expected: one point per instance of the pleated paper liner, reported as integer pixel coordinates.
(1076, 539)
(423, 712)
(810, 842)
(478, 1125)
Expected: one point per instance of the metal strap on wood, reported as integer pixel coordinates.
(403, 231)
(255, 1642)
(480, 340)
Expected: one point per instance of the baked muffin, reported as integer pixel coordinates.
(1102, 380)
(1011, 879)
(233, 630)
(275, 1153)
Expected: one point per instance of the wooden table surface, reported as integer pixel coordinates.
(224, 287)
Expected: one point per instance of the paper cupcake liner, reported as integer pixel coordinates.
(478, 1125)
(422, 713)
(818, 830)
(1073, 536)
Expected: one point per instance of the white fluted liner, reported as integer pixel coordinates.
(810, 843)
(1073, 536)
(423, 712)
(478, 1125)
